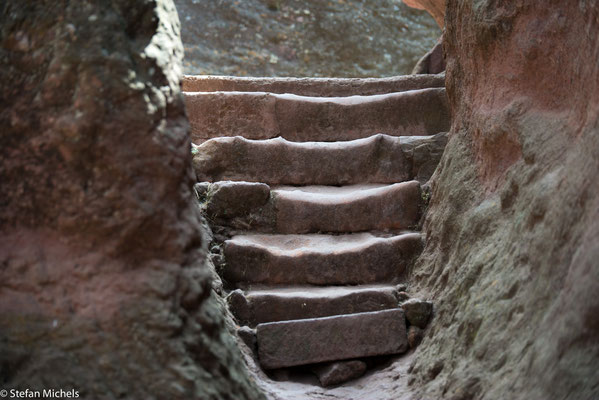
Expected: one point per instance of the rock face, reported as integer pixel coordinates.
(513, 223)
(104, 287)
(436, 8)
(349, 38)
(432, 62)
(418, 312)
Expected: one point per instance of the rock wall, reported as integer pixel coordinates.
(338, 38)
(436, 8)
(104, 287)
(513, 225)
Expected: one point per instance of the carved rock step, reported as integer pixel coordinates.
(318, 259)
(289, 303)
(260, 115)
(308, 341)
(325, 87)
(312, 209)
(353, 208)
(377, 159)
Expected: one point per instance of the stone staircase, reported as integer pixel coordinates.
(313, 189)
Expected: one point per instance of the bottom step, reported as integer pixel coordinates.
(309, 341)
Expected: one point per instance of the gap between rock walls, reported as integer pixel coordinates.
(316, 216)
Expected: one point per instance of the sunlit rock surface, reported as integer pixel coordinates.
(340, 38)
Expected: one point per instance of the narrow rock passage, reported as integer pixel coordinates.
(317, 227)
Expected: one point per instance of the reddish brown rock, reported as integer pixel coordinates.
(432, 62)
(357, 208)
(309, 259)
(436, 8)
(104, 283)
(339, 372)
(377, 159)
(316, 87)
(513, 221)
(308, 341)
(288, 303)
(259, 115)
(424, 154)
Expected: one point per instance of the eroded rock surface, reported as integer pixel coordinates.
(314, 340)
(349, 38)
(512, 228)
(436, 8)
(104, 286)
(262, 115)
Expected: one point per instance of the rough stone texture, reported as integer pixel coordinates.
(308, 259)
(287, 303)
(260, 115)
(339, 372)
(436, 8)
(103, 282)
(424, 154)
(415, 335)
(311, 209)
(432, 62)
(308, 341)
(316, 87)
(237, 302)
(377, 159)
(248, 336)
(403, 296)
(418, 312)
(512, 229)
(349, 38)
(232, 199)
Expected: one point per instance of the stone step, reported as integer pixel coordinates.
(275, 304)
(355, 208)
(261, 115)
(309, 341)
(376, 159)
(323, 87)
(247, 206)
(317, 259)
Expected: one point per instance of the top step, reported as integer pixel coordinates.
(318, 87)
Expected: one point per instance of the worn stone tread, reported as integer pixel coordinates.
(376, 159)
(353, 208)
(317, 259)
(326, 87)
(308, 341)
(271, 304)
(261, 115)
